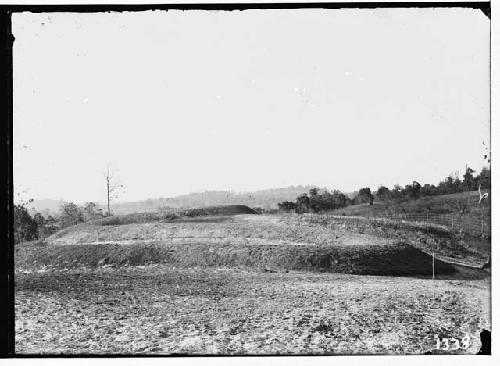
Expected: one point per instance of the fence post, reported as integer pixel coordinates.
(452, 223)
(433, 266)
(482, 227)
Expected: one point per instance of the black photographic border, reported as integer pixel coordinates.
(7, 312)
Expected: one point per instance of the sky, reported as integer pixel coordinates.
(187, 101)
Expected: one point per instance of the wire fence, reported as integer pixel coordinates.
(473, 226)
(460, 224)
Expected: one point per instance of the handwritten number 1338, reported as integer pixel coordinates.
(452, 343)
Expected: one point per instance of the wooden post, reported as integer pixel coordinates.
(482, 227)
(452, 223)
(433, 266)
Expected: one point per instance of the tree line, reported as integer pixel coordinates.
(318, 201)
(28, 227)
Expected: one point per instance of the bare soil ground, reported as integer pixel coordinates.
(159, 309)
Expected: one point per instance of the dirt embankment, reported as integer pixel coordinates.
(265, 242)
(398, 259)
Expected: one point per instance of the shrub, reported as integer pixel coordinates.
(25, 226)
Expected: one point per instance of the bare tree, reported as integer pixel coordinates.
(112, 187)
(459, 205)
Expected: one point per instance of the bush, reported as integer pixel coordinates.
(316, 201)
(287, 206)
(71, 215)
(25, 226)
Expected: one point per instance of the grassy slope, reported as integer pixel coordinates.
(427, 237)
(424, 205)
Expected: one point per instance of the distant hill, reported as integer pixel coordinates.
(266, 198)
(45, 206)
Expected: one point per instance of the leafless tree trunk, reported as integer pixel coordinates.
(111, 188)
(107, 188)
